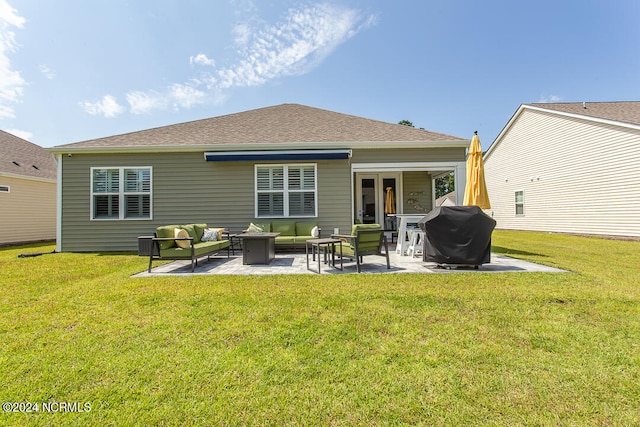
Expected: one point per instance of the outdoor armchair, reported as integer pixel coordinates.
(365, 239)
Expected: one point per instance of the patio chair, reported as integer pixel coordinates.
(365, 239)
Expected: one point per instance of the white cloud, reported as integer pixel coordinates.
(242, 34)
(107, 106)
(201, 59)
(185, 96)
(47, 72)
(141, 102)
(294, 46)
(177, 96)
(10, 15)
(11, 82)
(544, 99)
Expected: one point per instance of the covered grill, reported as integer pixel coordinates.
(457, 235)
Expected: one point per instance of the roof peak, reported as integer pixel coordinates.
(283, 123)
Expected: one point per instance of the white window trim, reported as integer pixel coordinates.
(515, 203)
(5, 189)
(285, 167)
(121, 194)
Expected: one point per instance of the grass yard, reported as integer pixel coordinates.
(468, 349)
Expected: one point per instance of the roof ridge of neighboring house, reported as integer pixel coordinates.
(618, 113)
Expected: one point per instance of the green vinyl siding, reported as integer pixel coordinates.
(408, 155)
(417, 192)
(186, 189)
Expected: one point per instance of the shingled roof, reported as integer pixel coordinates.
(23, 158)
(624, 112)
(286, 123)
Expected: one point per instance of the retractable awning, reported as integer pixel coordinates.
(276, 155)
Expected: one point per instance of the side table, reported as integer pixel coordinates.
(234, 241)
(329, 244)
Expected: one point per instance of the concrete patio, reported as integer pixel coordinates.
(296, 263)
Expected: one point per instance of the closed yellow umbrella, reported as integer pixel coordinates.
(475, 192)
(390, 202)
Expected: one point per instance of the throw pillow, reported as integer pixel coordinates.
(220, 232)
(254, 229)
(179, 234)
(314, 231)
(210, 235)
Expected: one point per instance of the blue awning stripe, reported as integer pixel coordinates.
(288, 155)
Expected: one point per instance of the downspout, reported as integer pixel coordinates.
(59, 205)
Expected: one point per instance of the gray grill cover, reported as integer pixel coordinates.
(457, 235)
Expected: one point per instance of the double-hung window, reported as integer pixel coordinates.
(286, 191)
(121, 193)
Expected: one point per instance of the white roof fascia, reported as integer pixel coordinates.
(362, 145)
(583, 117)
(28, 178)
(405, 166)
(504, 130)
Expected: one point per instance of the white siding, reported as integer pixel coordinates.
(27, 211)
(578, 176)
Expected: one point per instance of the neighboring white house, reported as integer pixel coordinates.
(27, 191)
(568, 167)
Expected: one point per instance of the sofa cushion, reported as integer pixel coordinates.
(304, 228)
(369, 241)
(199, 231)
(285, 240)
(356, 227)
(182, 233)
(190, 228)
(164, 232)
(200, 249)
(301, 240)
(285, 228)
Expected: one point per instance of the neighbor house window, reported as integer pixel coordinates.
(121, 193)
(286, 191)
(520, 202)
(4, 188)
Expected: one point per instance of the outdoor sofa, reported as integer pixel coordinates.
(190, 241)
(293, 234)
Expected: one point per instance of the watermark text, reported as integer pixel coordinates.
(46, 407)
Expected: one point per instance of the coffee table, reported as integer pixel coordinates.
(329, 244)
(258, 248)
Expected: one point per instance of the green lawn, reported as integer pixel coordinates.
(468, 349)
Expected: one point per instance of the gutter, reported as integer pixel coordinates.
(361, 145)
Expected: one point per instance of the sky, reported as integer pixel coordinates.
(73, 70)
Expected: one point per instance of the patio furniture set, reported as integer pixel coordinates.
(260, 240)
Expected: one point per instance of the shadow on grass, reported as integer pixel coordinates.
(509, 251)
(119, 253)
